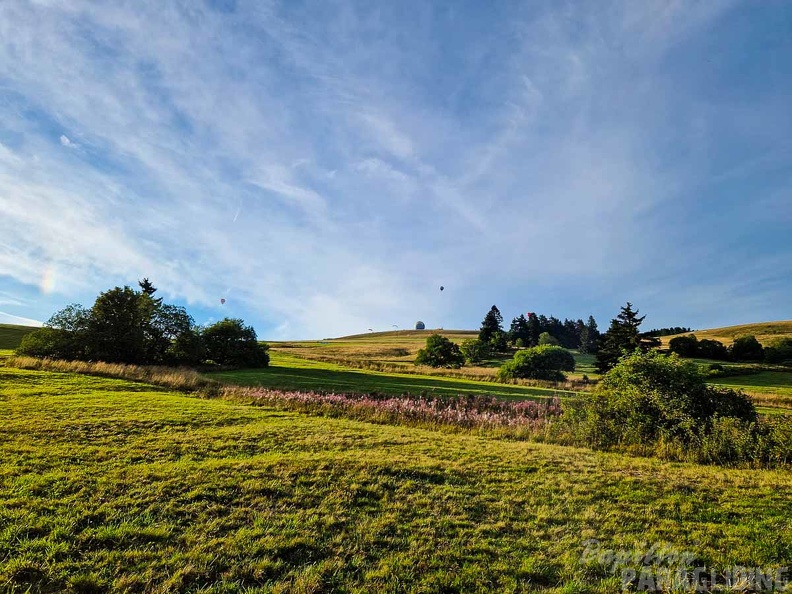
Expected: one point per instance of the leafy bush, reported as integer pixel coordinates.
(649, 396)
(747, 348)
(684, 346)
(440, 352)
(712, 349)
(779, 351)
(544, 362)
(48, 342)
(475, 351)
(547, 339)
(230, 342)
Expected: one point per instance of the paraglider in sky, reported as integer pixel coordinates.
(395, 326)
(371, 329)
(222, 301)
(442, 288)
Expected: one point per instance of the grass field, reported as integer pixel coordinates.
(11, 335)
(394, 352)
(288, 372)
(111, 485)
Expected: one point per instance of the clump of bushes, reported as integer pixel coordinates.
(779, 351)
(135, 328)
(543, 362)
(745, 348)
(649, 396)
(655, 403)
(440, 352)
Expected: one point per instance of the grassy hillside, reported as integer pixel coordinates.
(11, 335)
(111, 485)
(394, 352)
(764, 332)
(288, 372)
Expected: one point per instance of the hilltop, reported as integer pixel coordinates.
(764, 332)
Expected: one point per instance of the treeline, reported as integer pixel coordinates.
(527, 331)
(541, 344)
(668, 331)
(131, 326)
(744, 349)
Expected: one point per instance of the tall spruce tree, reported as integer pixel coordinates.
(589, 336)
(621, 337)
(520, 330)
(492, 324)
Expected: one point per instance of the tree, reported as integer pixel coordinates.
(230, 342)
(747, 348)
(779, 351)
(475, 351)
(622, 337)
(116, 327)
(50, 343)
(520, 330)
(534, 330)
(492, 323)
(712, 349)
(684, 346)
(589, 336)
(542, 362)
(547, 339)
(440, 352)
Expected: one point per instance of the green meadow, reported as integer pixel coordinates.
(108, 485)
(289, 372)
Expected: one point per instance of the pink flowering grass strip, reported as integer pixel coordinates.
(461, 411)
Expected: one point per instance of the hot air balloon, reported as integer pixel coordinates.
(442, 288)
(222, 301)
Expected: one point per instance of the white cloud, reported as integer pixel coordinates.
(7, 318)
(318, 166)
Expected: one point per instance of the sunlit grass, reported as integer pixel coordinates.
(295, 373)
(109, 485)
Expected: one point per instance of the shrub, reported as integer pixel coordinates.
(649, 396)
(684, 346)
(48, 342)
(779, 351)
(542, 362)
(747, 348)
(547, 339)
(712, 349)
(440, 352)
(230, 342)
(475, 351)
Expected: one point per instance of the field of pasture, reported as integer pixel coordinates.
(395, 352)
(111, 485)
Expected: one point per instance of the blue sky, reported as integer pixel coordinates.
(326, 166)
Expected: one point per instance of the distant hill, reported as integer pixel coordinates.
(765, 332)
(11, 335)
(460, 334)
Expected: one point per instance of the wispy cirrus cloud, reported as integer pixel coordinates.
(333, 163)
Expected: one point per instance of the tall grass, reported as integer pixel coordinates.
(175, 378)
(508, 418)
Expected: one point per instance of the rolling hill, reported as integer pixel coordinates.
(763, 331)
(11, 335)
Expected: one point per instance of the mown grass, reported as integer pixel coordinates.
(287, 372)
(111, 485)
(11, 335)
